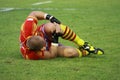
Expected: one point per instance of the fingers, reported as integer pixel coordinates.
(57, 26)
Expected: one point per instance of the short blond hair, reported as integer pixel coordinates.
(35, 43)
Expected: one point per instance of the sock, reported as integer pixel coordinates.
(82, 52)
(68, 34)
(89, 47)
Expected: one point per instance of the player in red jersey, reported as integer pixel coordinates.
(41, 42)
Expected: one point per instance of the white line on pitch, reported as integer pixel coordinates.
(6, 9)
(48, 9)
(45, 2)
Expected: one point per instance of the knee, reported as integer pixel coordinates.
(49, 27)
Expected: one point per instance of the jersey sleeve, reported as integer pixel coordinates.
(28, 28)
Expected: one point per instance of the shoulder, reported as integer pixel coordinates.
(32, 18)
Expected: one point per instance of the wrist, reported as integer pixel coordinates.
(51, 18)
(54, 44)
(55, 38)
(48, 17)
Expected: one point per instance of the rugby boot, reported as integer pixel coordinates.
(92, 49)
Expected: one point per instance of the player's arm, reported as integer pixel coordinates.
(52, 53)
(44, 16)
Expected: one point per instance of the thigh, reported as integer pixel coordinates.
(67, 51)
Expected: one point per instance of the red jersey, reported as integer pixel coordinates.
(29, 28)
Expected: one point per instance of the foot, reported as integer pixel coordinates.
(98, 51)
(84, 52)
(92, 49)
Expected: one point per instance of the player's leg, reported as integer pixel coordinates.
(68, 34)
(70, 52)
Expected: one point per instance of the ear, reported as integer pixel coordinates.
(43, 49)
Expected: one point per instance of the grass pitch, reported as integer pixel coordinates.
(95, 21)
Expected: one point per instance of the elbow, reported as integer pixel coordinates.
(33, 13)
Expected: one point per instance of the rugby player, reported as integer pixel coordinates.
(39, 42)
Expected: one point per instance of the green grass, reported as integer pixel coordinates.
(96, 21)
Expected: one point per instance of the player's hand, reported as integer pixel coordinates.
(53, 19)
(58, 29)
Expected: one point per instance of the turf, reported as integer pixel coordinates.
(95, 21)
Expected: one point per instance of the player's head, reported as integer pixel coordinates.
(35, 43)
